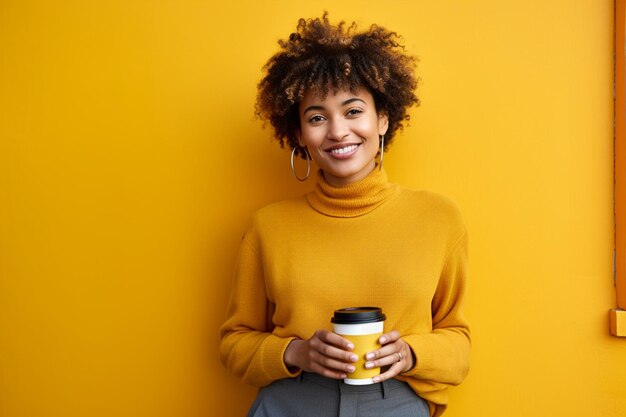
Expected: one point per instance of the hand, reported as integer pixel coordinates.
(395, 353)
(324, 353)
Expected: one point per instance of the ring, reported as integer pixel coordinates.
(399, 356)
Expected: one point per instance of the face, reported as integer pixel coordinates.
(341, 133)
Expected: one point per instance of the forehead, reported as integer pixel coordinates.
(335, 95)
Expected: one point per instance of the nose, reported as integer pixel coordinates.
(338, 129)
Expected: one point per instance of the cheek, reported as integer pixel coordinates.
(369, 127)
(370, 131)
(372, 146)
(312, 138)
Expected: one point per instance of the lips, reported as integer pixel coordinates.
(343, 150)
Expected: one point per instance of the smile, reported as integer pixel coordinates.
(345, 150)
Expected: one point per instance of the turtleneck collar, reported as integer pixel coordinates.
(354, 199)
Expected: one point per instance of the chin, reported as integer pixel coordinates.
(346, 174)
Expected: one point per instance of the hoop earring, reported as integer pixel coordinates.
(382, 151)
(308, 164)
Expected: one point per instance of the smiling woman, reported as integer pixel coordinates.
(319, 58)
(338, 97)
(341, 133)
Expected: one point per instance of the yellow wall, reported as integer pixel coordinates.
(130, 162)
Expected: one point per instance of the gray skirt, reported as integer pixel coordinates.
(312, 395)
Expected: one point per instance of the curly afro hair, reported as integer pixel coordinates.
(320, 56)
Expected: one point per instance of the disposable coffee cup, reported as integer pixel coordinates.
(362, 326)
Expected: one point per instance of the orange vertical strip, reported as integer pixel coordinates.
(620, 155)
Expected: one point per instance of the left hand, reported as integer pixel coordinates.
(395, 353)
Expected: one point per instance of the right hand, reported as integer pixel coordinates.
(325, 353)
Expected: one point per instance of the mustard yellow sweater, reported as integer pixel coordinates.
(371, 243)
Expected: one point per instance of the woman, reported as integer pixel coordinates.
(338, 97)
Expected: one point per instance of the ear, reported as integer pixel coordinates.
(298, 133)
(383, 123)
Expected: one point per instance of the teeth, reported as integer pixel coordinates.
(344, 150)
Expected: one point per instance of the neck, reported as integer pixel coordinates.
(344, 181)
(354, 199)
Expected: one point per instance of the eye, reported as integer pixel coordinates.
(316, 119)
(354, 112)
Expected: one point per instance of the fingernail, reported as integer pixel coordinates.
(350, 346)
(369, 365)
(369, 356)
(344, 376)
(376, 379)
(354, 358)
(351, 368)
(382, 339)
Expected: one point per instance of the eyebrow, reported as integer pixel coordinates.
(343, 104)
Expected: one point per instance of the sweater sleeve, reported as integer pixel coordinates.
(248, 348)
(443, 354)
